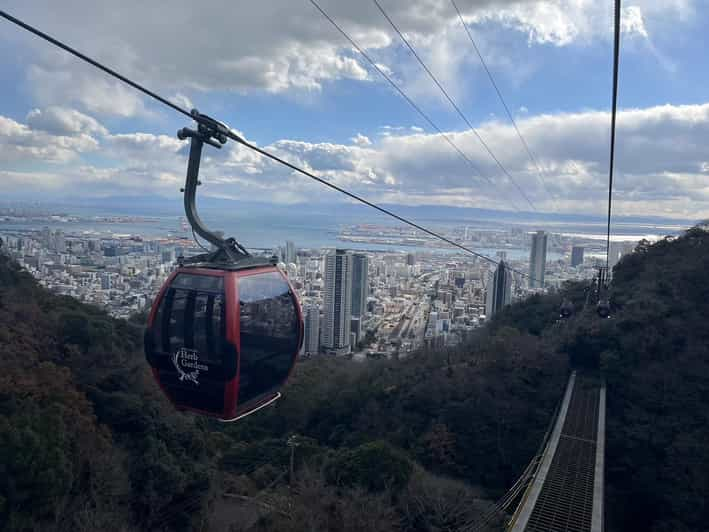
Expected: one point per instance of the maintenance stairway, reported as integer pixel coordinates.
(566, 494)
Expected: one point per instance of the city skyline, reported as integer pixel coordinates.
(409, 298)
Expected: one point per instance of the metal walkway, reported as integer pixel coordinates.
(566, 494)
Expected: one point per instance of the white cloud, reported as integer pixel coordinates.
(61, 82)
(144, 144)
(361, 140)
(20, 142)
(63, 121)
(282, 45)
(632, 22)
(661, 164)
(183, 101)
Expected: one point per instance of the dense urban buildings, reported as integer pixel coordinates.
(411, 294)
(538, 260)
(499, 290)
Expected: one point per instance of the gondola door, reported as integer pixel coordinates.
(191, 345)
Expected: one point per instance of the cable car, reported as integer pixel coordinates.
(225, 329)
(566, 309)
(604, 308)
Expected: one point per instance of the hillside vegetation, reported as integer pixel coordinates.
(655, 357)
(88, 443)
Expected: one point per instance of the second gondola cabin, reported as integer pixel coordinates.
(222, 340)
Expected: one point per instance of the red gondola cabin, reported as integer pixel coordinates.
(222, 342)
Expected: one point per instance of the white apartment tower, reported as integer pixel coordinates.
(290, 255)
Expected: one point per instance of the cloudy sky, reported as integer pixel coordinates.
(278, 72)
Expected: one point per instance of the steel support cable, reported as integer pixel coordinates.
(506, 499)
(504, 104)
(616, 64)
(194, 237)
(541, 451)
(455, 106)
(503, 502)
(528, 474)
(367, 202)
(405, 96)
(236, 138)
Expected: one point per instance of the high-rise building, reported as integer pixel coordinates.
(616, 252)
(576, 256)
(290, 252)
(59, 242)
(433, 322)
(337, 300)
(360, 284)
(410, 259)
(312, 330)
(499, 290)
(538, 260)
(47, 238)
(459, 280)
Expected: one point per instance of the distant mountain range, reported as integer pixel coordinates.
(164, 206)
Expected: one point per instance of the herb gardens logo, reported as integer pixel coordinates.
(186, 362)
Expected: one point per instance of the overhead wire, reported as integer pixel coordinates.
(237, 138)
(616, 67)
(504, 502)
(532, 158)
(196, 240)
(366, 202)
(405, 96)
(455, 106)
(522, 482)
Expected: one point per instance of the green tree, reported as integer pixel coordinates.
(375, 466)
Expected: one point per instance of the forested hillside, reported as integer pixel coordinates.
(88, 443)
(655, 357)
